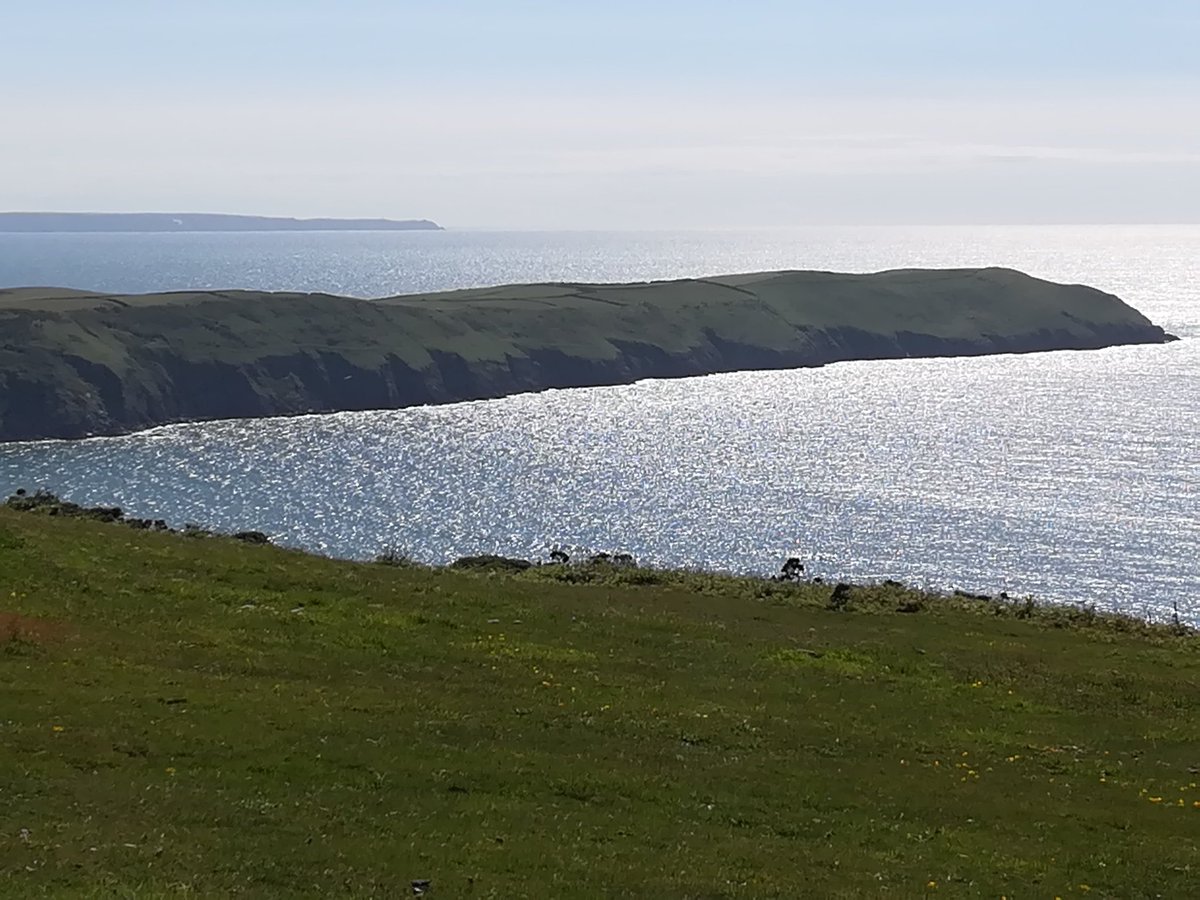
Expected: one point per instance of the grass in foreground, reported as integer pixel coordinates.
(193, 716)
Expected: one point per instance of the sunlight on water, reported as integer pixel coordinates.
(1072, 476)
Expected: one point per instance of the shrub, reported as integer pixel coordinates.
(490, 562)
(839, 600)
(393, 556)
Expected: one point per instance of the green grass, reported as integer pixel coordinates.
(197, 717)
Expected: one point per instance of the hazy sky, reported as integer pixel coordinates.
(613, 114)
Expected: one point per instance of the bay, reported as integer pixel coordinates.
(1074, 476)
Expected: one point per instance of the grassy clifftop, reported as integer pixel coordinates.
(75, 363)
(194, 716)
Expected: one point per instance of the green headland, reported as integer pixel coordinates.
(189, 715)
(76, 363)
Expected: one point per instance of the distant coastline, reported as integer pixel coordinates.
(75, 223)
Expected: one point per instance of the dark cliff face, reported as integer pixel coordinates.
(104, 377)
(320, 382)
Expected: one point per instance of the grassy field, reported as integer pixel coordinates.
(195, 716)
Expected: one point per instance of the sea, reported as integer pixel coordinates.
(1070, 476)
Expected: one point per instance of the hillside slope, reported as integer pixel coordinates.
(74, 363)
(193, 716)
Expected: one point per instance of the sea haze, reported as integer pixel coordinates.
(1072, 476)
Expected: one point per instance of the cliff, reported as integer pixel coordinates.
(74, 363)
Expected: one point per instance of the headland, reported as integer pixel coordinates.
(77, 363)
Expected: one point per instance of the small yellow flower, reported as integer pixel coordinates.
(931, 886)
(56, 728)
(170, 770)
(1155, 799)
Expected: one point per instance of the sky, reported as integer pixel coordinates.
(616, 114)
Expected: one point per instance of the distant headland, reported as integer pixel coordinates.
(76, 363)
(30, 222)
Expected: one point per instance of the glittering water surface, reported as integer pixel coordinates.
(1072, 476)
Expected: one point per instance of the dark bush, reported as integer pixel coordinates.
(840, 598)
(792, 570)
(393, 556)
(489, 562)
(252, 537)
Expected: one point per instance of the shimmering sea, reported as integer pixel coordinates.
(1073, 476)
